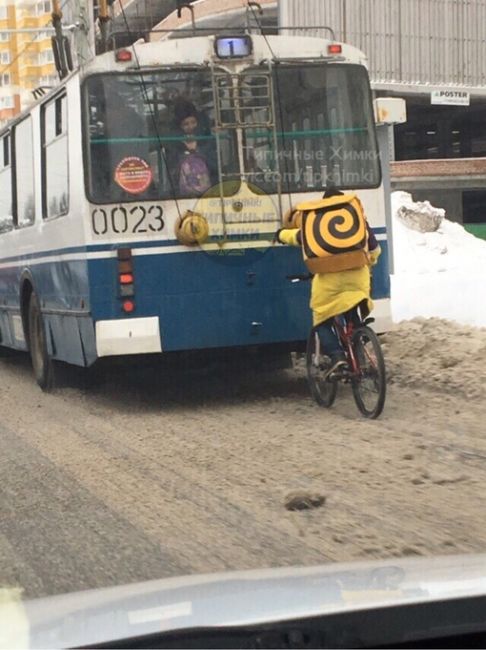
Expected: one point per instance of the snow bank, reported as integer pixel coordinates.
(438, 354)
(437, 274)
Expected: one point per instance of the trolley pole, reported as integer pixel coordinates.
(60, 44)
(103, 20)
(81, 13)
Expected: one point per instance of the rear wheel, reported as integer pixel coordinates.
(369, 387)
(42, 364)
(322, 389)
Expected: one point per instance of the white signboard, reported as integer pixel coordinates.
(450, 97)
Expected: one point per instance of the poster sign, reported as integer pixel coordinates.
(133, 175)
(451, 97)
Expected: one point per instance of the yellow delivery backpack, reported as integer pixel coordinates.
(334, 234)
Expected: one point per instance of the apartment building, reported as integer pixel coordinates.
(26, 59)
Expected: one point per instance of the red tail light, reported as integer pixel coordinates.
(335, 48)
(123, 56)
(126, 279)
(128, 306)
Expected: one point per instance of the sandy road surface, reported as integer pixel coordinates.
(138, 479)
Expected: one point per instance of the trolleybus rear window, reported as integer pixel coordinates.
(151, 136)
(324, 128)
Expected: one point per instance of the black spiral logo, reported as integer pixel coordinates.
(333, 230)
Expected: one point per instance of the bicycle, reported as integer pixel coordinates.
(365, 364)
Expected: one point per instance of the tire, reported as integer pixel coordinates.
(322, 390)
(42, 364)
(369, 387)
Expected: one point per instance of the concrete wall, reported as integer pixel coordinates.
(442, 182)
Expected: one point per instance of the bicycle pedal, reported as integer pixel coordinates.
(336, 374)
(342, 374)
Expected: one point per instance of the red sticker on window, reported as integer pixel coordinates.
(133, 174)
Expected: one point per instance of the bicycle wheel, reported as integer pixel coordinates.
(369, 386)
(322, 389)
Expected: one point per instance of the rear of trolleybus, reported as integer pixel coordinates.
(194, 150)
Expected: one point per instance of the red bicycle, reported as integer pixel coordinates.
(365, 364)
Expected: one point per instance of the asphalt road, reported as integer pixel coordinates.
(147, 476)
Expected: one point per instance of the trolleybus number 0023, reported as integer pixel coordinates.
(121, 221)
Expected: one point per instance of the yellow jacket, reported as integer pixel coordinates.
(335, 293)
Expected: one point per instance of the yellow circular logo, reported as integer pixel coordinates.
(238, 216)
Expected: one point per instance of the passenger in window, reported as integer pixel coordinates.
(193, 158)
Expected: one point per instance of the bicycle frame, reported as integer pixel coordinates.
(345, 333)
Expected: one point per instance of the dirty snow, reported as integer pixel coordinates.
(437, 274)
(439, 355)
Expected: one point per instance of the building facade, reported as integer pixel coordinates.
(26, 59)
(432, 53)
(227, 14)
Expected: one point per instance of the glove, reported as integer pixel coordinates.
(276, 237)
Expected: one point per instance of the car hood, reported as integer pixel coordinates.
(233, 599)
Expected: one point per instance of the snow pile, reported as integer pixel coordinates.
(438, 354)
(436, 274)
